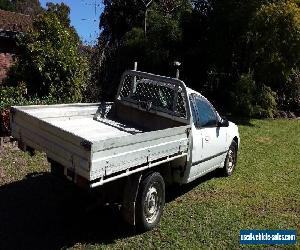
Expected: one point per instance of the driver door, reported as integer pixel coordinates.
(209, 140)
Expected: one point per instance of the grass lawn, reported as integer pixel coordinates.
(39, 212)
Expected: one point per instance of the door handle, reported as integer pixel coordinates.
(207, 138)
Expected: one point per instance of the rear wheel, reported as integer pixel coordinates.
(231, 159)
(150, 201)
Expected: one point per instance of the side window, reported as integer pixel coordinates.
(206, 114)
(194, 115)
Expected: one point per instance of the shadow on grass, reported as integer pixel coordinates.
(41, 212)
(176, 191)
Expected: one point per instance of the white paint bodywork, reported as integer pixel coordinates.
(208, 147)
(59, 130)
(102, 152)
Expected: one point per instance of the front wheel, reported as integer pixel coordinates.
(150, 201)
(231, 159)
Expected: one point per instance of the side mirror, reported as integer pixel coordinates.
(223, 123)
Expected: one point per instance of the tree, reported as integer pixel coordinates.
(124, 43)
(6, 5)
(28, 7)
(119, 17)
(274, 37)
(146, 7)
(62, 11)
(218, 43)
(49, 61)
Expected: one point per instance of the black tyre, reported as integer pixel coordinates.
(231, 159)
(150, 202)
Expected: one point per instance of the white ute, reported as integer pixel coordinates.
(157, 132)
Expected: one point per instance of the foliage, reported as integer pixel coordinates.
(226, 39)
(250, 100)
(157, 49)
(49, 68)
(92, 92)
(243, 95)
(266, 104)
(11, 96)
(291, 97)
(123, 40)
(49, 61)
(62, 11)
(6, 5)
(274, 37)
(119, 17)
(28, 7)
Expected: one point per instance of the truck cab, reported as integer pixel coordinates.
(212, 136)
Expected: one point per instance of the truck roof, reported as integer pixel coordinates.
(191, 91)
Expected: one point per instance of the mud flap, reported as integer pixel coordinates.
(129, 197)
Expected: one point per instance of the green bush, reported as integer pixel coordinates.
(249, 100)
(274, 39)
(243, 96)
(291, 98)
(10, 96)
(49, 62)
(266, 104)
(16, 96)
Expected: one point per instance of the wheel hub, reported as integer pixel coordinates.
(151, 204)
(231, 160)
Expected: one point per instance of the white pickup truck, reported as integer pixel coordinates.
(157, 132)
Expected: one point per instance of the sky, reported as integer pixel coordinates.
(84, 17)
